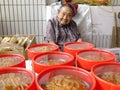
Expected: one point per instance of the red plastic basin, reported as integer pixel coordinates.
(74, 47)
(18, 76)
(104, 73)
(78, 73)
(87, 58)
(51, 59)
(31, 53)
(12, 60)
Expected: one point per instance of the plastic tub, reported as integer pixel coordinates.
(74, 47)
(104, 72)
(87, 58)
(78, 73)
(46, 47)
(12, 60)
(49, 59)
(17, 76)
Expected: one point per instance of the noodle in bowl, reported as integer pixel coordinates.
(65, 78)
(13, 78)
(12, 60)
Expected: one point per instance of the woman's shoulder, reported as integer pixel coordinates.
(53, 20)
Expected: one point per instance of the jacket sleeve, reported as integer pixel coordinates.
(50, 32)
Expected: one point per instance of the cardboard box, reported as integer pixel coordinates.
(23, 41)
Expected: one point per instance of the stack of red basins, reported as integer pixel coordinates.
(56, 70)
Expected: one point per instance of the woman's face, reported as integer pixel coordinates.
(65, 15)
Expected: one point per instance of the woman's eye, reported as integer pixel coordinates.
(63, 14)
(70, 15)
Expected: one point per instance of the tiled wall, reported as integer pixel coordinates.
(23, 17)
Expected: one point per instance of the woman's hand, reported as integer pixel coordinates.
(79, 40)
(52, 42)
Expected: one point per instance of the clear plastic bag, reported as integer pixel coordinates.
(116, 51)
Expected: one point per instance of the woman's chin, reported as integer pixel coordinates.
(64, 23)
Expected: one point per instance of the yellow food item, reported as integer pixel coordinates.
(65, 82)
(10, 47)
(13, 39)
(5, 39)
(92, 2)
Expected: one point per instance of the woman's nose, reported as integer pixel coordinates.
(65, 17)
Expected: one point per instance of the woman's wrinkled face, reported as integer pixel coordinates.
(65, 15)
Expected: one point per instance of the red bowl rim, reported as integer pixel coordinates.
(101, 64)
(55, 52)
(99, 50)
(64, 67)
(22, 58)
(91, 45)
(42, 44)
(17, 69)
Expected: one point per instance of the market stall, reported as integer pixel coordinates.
(29, 65)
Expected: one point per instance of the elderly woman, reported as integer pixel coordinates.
(62, 28)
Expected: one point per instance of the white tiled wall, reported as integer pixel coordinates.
(23, 17)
